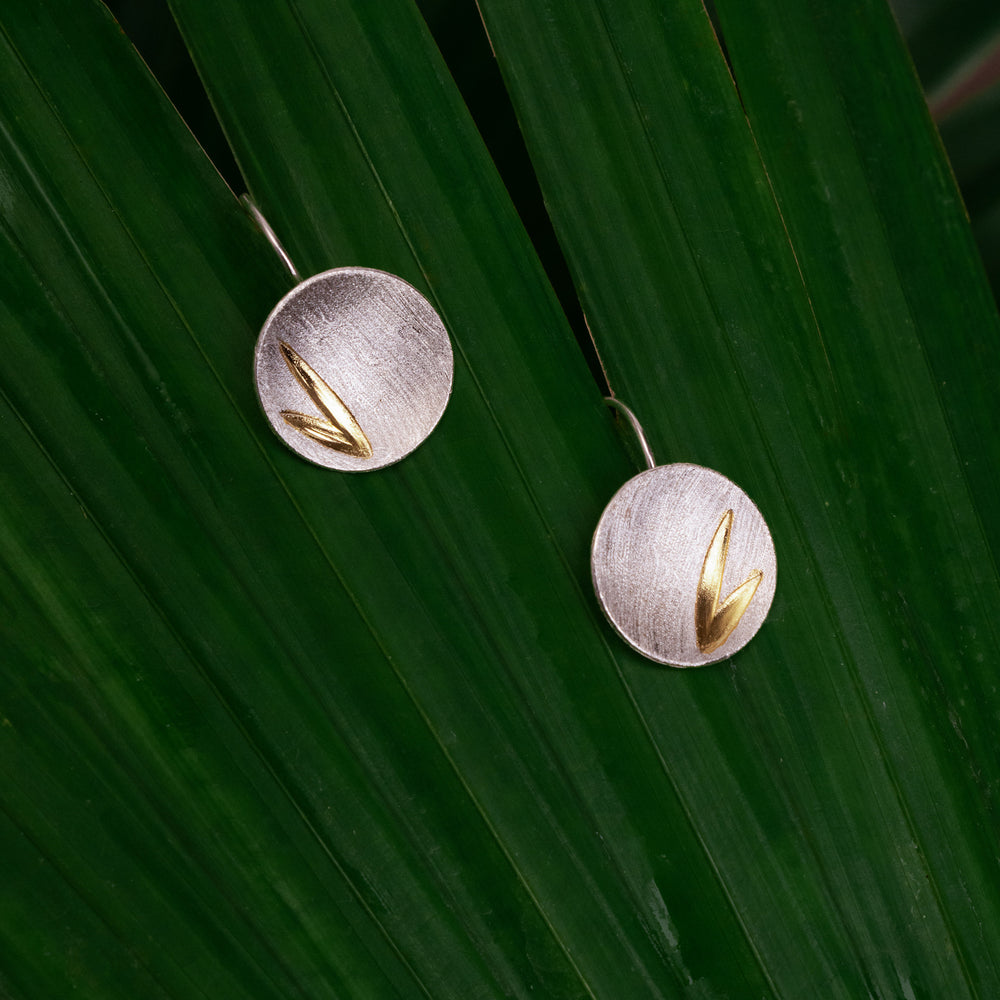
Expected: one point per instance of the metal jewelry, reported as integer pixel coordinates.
(353, 367)
(682, 561)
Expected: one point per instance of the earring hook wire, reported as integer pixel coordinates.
(265, 227)
(647, 452)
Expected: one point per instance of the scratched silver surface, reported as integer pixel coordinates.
(648, 552)
(379, 345)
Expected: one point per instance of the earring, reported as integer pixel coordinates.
(682, 561)
(353, 367)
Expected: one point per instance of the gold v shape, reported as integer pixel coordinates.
(340, 431)
(714, 623)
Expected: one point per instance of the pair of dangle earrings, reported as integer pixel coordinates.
(682, 562)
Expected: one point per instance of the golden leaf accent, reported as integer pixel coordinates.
(340, 431)
(714, 623)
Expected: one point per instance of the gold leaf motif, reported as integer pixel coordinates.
(714, 623)
(340, 431)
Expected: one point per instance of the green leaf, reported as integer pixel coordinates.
(956, 48)
(417, 720)
(947, 38)
(267, 730)
(970, 135)
(834, 353)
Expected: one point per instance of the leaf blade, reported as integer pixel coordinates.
(654, 124)
(393, 779)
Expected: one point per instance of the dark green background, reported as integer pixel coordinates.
(267, 730)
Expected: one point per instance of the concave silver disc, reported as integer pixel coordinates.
(651, 554)
(353, 369)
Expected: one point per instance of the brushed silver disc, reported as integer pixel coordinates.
(375, 342)
(649, 556)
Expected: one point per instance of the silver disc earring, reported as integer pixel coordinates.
(683, 563)
(353, 367)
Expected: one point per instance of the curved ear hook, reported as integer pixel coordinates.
(265, 227)
(647, 453)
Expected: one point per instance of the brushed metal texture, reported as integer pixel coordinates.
(649, 551)
(377, 343)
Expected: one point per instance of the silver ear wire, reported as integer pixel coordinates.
(265, 227)
(647, 452)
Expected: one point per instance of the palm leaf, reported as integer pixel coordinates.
(850, 403)
(268, 730)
